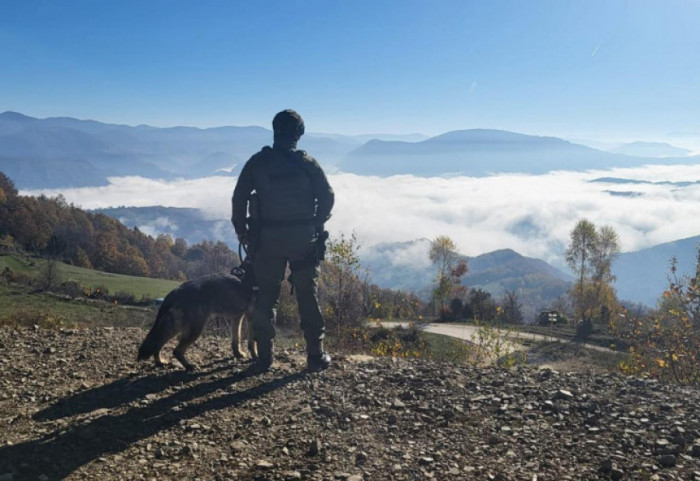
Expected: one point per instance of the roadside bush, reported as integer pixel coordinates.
(666, 343)
(401, 342)
(379, 340)
(492, 344)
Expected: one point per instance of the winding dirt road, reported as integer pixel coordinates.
(469, 333)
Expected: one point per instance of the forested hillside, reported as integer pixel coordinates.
(51, 227)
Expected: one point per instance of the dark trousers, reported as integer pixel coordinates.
(277, 247)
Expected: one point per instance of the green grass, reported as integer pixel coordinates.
(20, 307)
(24, 266)
(445, 348)
(88, 278)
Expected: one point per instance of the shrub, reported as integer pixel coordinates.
(666, 343)
(491, 344)
(379, 340)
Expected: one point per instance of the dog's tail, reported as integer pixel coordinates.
(158, 335)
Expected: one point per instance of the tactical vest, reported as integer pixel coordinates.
(284, 189)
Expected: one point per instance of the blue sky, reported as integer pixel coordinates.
(606, 70)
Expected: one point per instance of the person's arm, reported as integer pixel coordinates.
(239, 202)
(325, 197)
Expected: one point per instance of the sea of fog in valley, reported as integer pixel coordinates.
(531, 214)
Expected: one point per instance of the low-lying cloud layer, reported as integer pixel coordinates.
(532, 214)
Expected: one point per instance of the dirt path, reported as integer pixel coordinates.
(470, 332)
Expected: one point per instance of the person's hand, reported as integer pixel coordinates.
(243, 239)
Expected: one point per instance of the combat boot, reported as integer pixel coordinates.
(317, 359)
(263, 363)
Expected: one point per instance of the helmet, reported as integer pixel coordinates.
(288, 124)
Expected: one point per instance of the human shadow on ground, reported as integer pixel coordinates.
(122, 391)
(60, 453)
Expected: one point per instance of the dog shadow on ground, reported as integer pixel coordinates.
(123, 391)
(61, 452)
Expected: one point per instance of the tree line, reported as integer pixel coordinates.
(50, 227)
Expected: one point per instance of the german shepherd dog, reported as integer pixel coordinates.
(186, 309)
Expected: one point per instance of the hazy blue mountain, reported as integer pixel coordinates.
(49, 174)
(651, 149)
(54, 152)
(362, 138)
(480, 152)
(642, 276)
(40, 153)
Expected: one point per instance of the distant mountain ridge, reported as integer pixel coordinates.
(66, 152)
(642, 276)
(651, 149)
(480, 152)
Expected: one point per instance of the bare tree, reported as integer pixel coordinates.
(511, 309)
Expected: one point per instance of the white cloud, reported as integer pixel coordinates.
(532, 214)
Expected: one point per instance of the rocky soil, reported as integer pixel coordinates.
(74, 404)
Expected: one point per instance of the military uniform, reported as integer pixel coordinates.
(293, 201)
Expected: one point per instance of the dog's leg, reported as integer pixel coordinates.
(168, 333)
(188, 337)
(179, 352)
(163, 330)
(236, 337)
(252, 346)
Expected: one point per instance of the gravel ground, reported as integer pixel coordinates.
(74, 404)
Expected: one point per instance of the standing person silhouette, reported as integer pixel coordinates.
(280, 204)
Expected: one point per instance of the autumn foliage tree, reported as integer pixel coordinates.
(450, 270)
(590, 256)
(341, 285)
